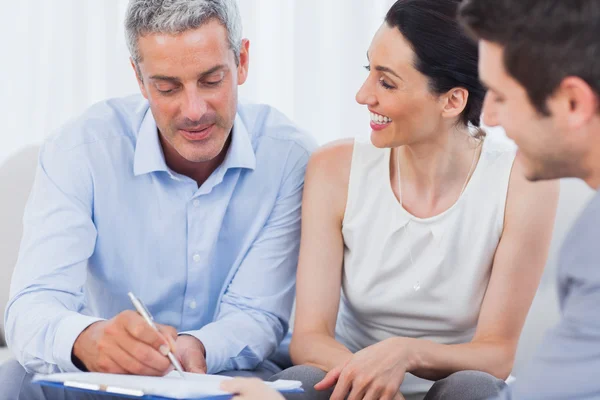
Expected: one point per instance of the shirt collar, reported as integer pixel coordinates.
(240, 153)
(149, 156)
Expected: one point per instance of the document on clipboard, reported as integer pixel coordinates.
(171, 386)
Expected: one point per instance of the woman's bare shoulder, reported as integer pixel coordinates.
(331, 163)
(328, 176)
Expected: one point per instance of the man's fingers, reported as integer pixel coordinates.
(118, 361)
(170, 335)
(106, 364)
(153, 362)
(137, 327)
(167, 331)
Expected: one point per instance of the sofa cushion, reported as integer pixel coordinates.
(5, 355)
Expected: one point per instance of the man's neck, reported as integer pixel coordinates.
(198, 171)
(593, 177)
(592, 160)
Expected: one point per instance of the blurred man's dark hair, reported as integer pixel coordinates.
(544, 41)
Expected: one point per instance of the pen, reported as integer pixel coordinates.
(143, 311)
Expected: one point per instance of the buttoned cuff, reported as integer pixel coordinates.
(67, 332)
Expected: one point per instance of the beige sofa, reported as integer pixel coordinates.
(5, 355)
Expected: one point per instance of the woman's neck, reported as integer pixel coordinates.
(433, 173)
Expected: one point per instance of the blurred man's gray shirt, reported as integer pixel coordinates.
(567, 362)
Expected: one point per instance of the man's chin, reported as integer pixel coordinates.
(535, 172)
(196, 157)
(198, 152)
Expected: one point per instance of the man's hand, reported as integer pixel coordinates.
(250, 389)
(125, 344)
(191, 354)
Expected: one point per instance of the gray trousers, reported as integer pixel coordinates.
(463, 385)
(15, 384)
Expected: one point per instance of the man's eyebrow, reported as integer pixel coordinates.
(173, 79)
(213, 70)
(165, 78)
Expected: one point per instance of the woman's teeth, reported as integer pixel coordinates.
(380, 119)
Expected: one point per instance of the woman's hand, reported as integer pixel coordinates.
(250, 389)
(375, 372)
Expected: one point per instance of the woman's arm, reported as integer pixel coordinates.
(321, 255)
(517, 269)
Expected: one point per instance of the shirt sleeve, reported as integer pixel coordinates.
(254, 312)
(46, 311)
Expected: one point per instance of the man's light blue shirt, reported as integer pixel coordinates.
(107, 216)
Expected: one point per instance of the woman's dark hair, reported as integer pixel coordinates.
(443, 51)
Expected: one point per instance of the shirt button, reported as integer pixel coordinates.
(196, 203)
(193, 304)
(196, 257)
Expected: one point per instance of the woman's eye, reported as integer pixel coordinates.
(385, 84)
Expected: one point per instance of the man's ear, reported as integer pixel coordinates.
(138, 76)
(575, 99)
(244, 61)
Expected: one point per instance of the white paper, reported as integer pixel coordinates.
(171, 385)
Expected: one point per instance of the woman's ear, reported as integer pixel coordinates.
(454, 102)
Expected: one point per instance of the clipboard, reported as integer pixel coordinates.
(170, 387)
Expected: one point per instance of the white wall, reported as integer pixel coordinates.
(61, 56)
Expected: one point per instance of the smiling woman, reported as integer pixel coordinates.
(423, 229)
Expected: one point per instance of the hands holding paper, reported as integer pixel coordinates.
(126, 344)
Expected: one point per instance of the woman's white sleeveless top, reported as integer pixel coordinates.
(418, 277)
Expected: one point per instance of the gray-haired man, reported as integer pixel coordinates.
(184, 196)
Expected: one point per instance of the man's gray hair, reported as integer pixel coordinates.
(177, 16)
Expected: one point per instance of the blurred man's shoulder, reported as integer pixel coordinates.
(580, 252)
